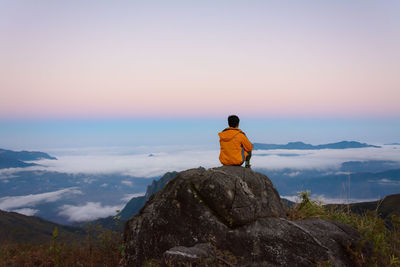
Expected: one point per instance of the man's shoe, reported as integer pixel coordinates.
(247, 166)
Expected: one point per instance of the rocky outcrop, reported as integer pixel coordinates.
(234, 216)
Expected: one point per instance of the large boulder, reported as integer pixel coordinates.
(237, 213)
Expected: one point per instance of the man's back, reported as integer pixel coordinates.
(234, 146)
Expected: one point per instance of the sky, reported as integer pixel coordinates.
(53, 135)
(88, 73)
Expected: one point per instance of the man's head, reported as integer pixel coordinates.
(233, 121)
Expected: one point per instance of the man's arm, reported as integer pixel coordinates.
(246, 143)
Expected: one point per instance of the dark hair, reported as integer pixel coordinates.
(233, 121)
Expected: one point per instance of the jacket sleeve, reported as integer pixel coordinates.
(246, 144)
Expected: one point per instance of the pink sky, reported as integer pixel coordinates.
(199, 59)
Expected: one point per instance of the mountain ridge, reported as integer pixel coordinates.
(15, 159)
(303, 146)
(18, 228)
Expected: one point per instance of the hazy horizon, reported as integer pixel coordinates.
(54, 134)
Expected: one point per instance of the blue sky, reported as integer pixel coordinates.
(51, 134)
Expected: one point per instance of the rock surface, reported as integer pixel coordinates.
(239, 214)
(200, 255)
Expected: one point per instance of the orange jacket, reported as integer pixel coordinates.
(234, 146)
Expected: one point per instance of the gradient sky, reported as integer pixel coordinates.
(118, 73)
(140, 59)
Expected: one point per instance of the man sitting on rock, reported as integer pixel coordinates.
(235, 147)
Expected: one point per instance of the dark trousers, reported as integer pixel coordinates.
(247, 160)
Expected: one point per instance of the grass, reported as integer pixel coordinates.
(105, 248)
(385, 241)
(101, 247)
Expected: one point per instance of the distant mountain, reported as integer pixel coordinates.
(14, 159)
(304, 146)
(136, 203)
(393, 144)
(25, 155)
(18, 228)
(13, 163)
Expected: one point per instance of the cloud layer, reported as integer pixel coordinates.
(323, 159)
(143, 165)
(151, 162)
(136, 165)
(15, 202)
(26, 211)
(128, 197)
(89, 211)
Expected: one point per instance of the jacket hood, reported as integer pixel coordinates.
(228, 134)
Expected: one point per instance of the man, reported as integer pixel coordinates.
(235, 147)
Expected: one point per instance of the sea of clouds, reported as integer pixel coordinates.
(150, 162)
(74, 213)
(25, 204)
